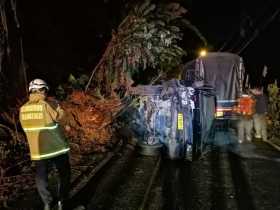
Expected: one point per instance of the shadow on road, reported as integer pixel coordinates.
(242, 187)
(217, 183)
(176, 185)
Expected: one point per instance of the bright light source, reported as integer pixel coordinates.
(203, 53)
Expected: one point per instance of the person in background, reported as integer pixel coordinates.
(246, 110)
(40, 120)
(259, 117)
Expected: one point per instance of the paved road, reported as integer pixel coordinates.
(230, 176)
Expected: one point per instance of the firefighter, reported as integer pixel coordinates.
(40, 120)
(245, 109)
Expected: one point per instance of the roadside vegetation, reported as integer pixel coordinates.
(274, 113)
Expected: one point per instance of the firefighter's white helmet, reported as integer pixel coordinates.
(245, 95)
(37, 84)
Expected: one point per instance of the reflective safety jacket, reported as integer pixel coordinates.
(40, 122)
(246, 106)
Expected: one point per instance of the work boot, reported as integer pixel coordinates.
(80, 208)
(59, 205)
(249, 140)
(47, 207)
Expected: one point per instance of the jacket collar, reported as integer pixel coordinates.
(36, 97)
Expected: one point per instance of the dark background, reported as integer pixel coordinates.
(62, 37)
(234, 22)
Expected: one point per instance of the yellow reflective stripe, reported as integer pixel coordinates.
(41, 128)
(32, 108)
(32, 116)
(50, 154)
(180, 121)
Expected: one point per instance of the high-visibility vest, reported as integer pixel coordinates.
(45, 137)
(246, 106)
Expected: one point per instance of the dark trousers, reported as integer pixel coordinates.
(61, 163)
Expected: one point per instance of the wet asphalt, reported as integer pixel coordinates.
(229, 176)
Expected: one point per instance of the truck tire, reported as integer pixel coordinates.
(149, 150)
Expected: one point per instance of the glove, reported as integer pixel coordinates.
(67, 128)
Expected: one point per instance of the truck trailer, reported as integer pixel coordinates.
(222, 71)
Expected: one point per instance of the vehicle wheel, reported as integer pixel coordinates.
(149, 150)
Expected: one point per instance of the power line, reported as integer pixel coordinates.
(227, 41)
(257, 31)
(232, 35)
(236, 43)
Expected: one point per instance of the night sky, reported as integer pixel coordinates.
(65, 36)
(230, 24)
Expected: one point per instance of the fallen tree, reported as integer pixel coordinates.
(145, 42)
(90, 120)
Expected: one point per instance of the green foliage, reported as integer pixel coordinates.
(60, 93)
(78, 83)
(274, 110)
(73, 83)
(147, 39)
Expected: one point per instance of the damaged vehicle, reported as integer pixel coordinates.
(170, 121)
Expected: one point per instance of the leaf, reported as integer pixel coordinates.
(154, 30)
(72, 80)
(150, 9)
(139, 35)
(160, 23)
(124, 64)
(83, 80)
(173, 6)
(144, 63)
(143, 7)
(175, 29)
